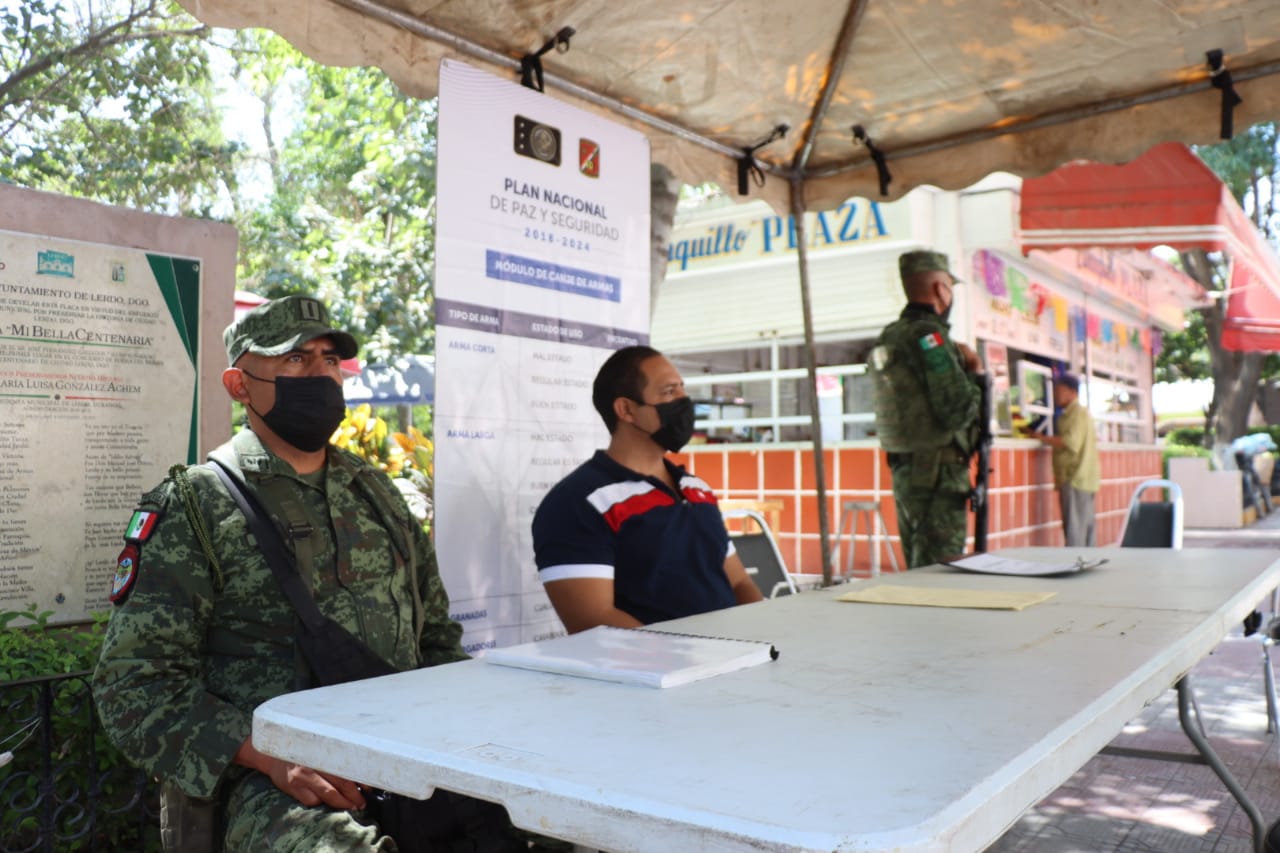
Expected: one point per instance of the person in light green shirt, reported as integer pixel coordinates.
(1076, 471)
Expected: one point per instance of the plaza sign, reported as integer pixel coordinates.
(855, 222)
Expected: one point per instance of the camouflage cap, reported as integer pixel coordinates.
(277, 327)
(923, 260)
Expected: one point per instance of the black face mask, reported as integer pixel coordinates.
(676, 419)
(307, 410)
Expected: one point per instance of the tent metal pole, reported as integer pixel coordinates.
(811, 362)
(835, 70)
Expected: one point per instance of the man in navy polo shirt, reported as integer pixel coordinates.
(630, 538)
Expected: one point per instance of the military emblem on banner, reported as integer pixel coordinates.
(589, 158)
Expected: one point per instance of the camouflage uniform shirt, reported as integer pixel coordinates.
(195, 647)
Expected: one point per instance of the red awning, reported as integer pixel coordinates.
(245, 301)
(1166, 197)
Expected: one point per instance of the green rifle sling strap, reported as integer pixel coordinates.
(191, 505)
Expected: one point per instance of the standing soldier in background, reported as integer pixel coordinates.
(926, 404)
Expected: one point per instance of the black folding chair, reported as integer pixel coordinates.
(1154, 524)
(759, 553)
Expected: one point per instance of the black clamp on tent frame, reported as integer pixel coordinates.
(531, 63)
(877, 157)
(747, 162)
(1220, 78)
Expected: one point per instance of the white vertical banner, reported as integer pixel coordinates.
(542, 270)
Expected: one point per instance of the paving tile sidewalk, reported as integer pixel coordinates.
(1130, 805)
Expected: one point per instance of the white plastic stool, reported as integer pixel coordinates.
(869, 510)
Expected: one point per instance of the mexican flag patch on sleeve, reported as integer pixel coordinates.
(933, 340)
(141, 525)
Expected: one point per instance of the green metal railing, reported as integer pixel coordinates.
(62, 786)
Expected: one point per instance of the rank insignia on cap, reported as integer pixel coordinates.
(141, 526)
(126, 574)
(931, 340)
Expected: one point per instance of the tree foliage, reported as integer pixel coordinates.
(1249, 166)
(1185, 354)
(111, 100)
(53, 749)
(120, 101)
(351, 218)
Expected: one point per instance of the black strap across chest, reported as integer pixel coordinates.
(334, 654)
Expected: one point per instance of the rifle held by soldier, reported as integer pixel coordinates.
(982, 480)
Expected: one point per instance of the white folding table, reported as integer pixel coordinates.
(878, 728)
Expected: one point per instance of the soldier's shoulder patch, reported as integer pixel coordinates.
(936, 355)
(126, 573)
(933, 340)
(155, 497)
(141, 525)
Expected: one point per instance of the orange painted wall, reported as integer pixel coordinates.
(1024, 505)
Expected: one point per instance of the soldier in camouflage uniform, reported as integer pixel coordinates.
(926, 406)
(201, 632)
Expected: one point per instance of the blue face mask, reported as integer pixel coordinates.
(307, 410)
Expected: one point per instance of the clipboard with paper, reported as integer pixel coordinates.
(994, 564)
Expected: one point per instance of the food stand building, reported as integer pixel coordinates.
(729, 316)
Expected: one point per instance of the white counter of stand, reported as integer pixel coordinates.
(878, 728)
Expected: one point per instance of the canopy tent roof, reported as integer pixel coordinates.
(945, 92)
(1167, 197)
(948, 91)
